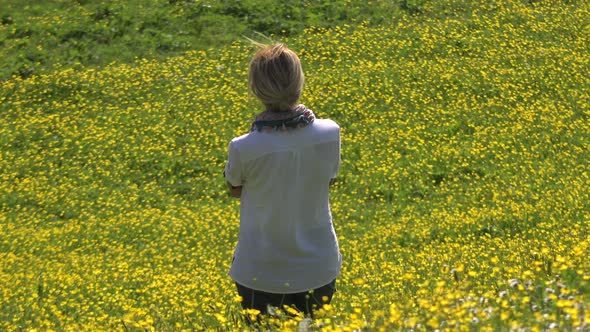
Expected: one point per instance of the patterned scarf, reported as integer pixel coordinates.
(269, 121)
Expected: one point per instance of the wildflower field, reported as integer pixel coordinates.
(462, 202)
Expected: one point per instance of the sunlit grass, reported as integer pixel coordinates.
(462, 202)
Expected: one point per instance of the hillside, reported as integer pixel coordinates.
(461, 204)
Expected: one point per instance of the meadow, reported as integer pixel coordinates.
(462, 202)
(35, 35)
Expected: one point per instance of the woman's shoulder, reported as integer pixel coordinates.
(238, 139)
(326, 125)
(322, 130)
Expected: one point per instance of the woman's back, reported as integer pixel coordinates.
(287, 241)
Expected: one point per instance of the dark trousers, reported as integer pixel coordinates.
(306, 302)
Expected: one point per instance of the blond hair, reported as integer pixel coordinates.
(276, 77)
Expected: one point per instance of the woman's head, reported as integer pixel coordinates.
(276, 77)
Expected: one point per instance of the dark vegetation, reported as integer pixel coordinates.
(38, 36)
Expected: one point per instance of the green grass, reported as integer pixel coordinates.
(462, 200)
(36, 36)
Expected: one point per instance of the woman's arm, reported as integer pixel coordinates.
(235, 192)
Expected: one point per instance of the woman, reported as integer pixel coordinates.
(287, 252)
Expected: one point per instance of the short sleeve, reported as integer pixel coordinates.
(337, 157)
(233, 169)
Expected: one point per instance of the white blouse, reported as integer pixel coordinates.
(287, 243)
